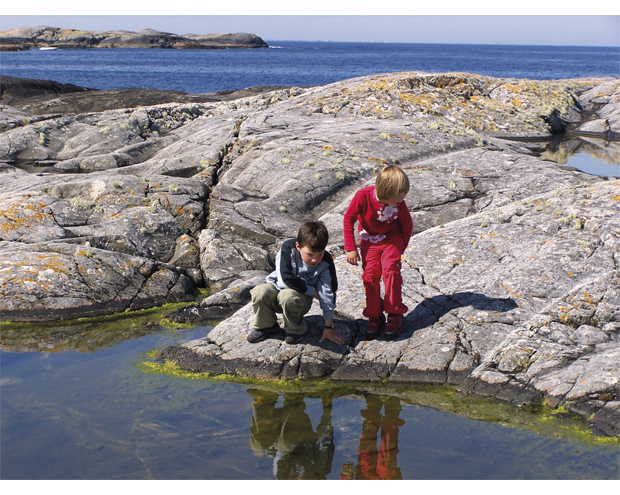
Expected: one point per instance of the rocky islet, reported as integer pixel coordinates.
(46, 37)
(511, 277)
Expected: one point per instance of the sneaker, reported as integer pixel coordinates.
(374, 326)
(261, 334)
(293, 338)
(394, 325)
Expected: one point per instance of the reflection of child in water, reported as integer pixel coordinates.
(373, 464)
(286, 434)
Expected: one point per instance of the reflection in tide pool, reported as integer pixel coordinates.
(381, 464)
(590, 155)
(299, 452)
(286, 434)
(109, 411)
(591, 165)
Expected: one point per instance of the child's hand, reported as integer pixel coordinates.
(330, 334)
(353, 257)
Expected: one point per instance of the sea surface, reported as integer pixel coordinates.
(87, 401)
(298, 63)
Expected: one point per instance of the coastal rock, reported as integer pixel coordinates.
(263, 164)
(42, 281)
(228, 40)
(45, 36)
(222, 259)
(51, 98)
(17, 88)
(511, 277)
(604, 100)
(599, 126)
(523, 321)
(101, 220)
(226, 351)
(222, 303)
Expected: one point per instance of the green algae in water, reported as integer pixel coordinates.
(319, 386)
(90, 333)
(543, 420)
(114, 413)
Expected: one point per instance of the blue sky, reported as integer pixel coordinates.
(340, 21)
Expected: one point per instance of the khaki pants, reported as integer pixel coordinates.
(267, 301)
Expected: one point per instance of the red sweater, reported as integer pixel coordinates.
(376, 221)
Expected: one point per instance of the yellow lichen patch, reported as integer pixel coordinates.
(21, 216)
(509, 291)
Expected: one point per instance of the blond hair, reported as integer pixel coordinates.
(390, 182)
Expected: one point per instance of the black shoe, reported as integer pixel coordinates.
(259, 335)
(293, 338)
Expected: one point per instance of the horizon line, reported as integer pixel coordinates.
(443, 43)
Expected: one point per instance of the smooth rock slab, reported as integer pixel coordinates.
(227, 351)
(522, 321)
(511, 278)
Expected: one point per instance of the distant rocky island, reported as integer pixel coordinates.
(45, 37)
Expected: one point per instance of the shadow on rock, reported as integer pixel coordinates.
(346, 328)
(431, 310)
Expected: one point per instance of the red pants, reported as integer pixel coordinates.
(378, 260)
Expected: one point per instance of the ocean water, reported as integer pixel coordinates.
(301, 64)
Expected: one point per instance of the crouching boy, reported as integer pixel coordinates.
(304, 270)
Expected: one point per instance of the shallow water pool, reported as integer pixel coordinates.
(93, 405)
(590, 155)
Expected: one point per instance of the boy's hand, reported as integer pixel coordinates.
(353, 257)
(330, 334)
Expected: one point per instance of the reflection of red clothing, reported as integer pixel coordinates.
(388, 231)
(387, 468)
(381, 465)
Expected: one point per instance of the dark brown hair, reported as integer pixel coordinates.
(313, 235)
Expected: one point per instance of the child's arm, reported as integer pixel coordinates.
(330, 334)
(406, 224)
(350, 217)
(353, 257)
(327, 285)
(325, 293)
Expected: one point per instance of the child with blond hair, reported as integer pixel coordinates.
(385, 227)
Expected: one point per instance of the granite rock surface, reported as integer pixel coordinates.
(511, 277)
